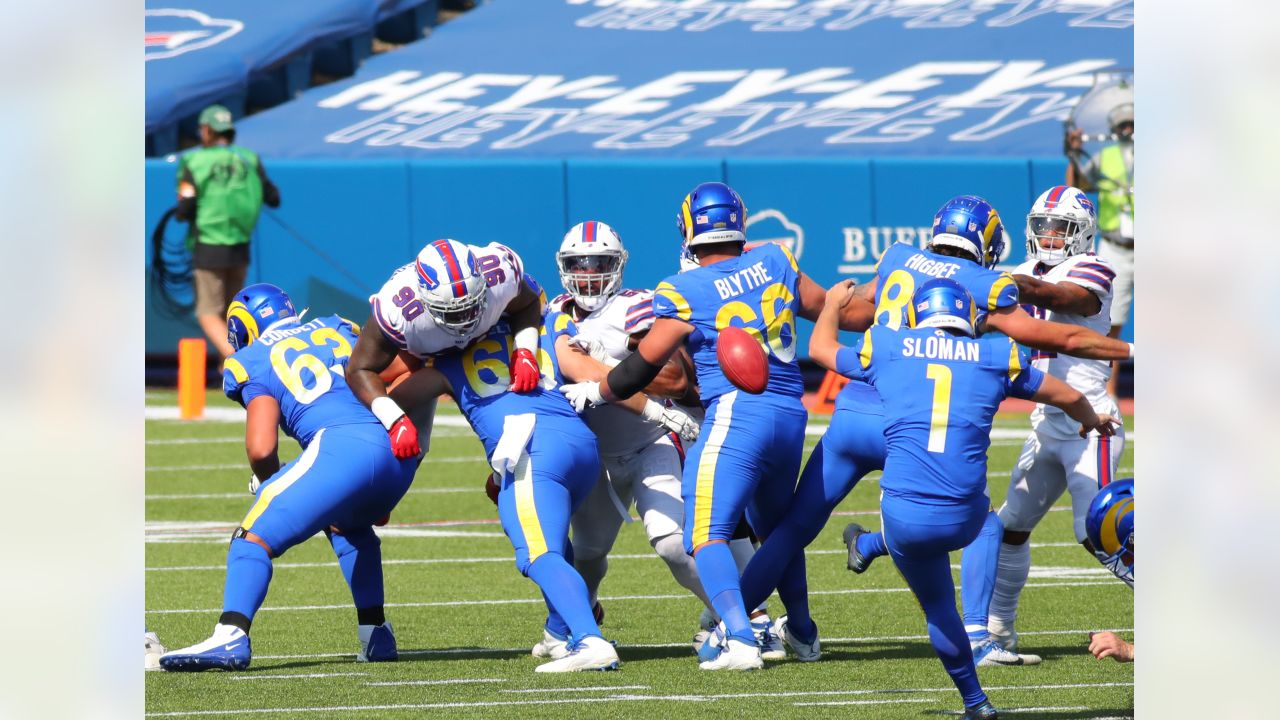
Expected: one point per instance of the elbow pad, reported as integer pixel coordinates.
(631, 376)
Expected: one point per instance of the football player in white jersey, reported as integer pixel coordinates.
(640, 461)
(1065, 282)
(448, 296)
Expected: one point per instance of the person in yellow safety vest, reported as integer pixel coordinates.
(1110, 173)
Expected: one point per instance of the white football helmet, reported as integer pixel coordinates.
(688, 261)
(1062, 223)
(451, 286)
(591, 259)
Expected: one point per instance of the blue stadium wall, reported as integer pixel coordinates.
(372, 216)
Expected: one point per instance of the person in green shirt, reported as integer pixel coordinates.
(1110, 173)
(221, 190)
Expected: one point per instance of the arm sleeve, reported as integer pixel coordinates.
(668, 302)
(1003, 293)
(1022, 380)
(270, 193)
(1026, 384)
(1094, 275)
(391, 323)
(854, 361)
(237, 385)
(639, 317)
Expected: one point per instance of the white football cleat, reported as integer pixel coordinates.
(1003, 634)
(707, 623)
(989, 654)
(551, 646)
(771, 647)
(804, 652)
(151, 651)
(592, 653)
(735, 655)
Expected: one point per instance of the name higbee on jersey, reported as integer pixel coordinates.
(941, 346)
(937, 268)
(743, 281)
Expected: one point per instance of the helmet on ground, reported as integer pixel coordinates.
(255, 310)
(1061, 216)
(1109, 525)
(591, 259)
(971, 225)
(712, 213)
(451, 286)
(942, 303)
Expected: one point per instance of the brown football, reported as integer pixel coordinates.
(742, 359)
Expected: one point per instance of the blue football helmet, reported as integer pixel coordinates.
(255, 310)
(712, 213)
(970, 223)
(943, 303)
(1109, 524)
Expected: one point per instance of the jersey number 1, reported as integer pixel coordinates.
(941, 377)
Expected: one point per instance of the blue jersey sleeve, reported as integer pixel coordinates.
(669, 302)
(237, 384)
(1002, 294)
(854, 361)
(1021, 379)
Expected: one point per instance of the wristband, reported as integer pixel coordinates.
(386, 410)
(1130, 351)
(527, 339)
(652, 411)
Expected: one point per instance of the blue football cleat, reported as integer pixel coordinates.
(981, 711)
(377, 643)
(227, 649)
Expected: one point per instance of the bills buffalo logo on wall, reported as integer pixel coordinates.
(174, 31)
(771, 226)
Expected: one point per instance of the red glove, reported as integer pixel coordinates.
(404, 438)
(524, 371)
(491, 488)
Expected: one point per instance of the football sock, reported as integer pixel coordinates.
(370, 616)
(555, 623)
(592, 571)
(1011, 577)
(930, 580)
(871, 545)
(719, 576)
(671, 549)
(978, 564)
(565, 591)
(360, 557)
(248, 575)
(743, 550)
(793, 590)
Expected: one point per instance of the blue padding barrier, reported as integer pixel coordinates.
(344, 226)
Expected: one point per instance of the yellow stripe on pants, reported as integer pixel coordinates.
(705, 487)
(282, 483)
(527, 510)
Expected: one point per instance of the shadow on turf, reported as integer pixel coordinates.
(1046, 714)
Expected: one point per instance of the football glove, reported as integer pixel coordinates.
(254, 484)
(673, 419)
(404, 438)
(583, 395)
(524, 371)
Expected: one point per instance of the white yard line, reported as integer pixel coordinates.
(246, 496)
(602, 688)
(623, 698)
(503, 559)
(538, 601)
(298, 676)
(457, 681)
(525, 650)
(242, 466)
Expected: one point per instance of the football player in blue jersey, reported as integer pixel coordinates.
(547, 462)
(968, 239)
(940, 387)
(290, 374)
(749, 450)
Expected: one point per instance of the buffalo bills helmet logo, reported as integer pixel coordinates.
(172, 31)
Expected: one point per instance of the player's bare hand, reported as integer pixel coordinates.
(841, 293)
(1108, 644)
(1075, 140)
(1106, 426)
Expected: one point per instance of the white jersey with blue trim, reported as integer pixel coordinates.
(406, 323)
(1090, 377)
(619, 432)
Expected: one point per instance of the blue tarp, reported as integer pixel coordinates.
(201, 51)
(718, 78)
